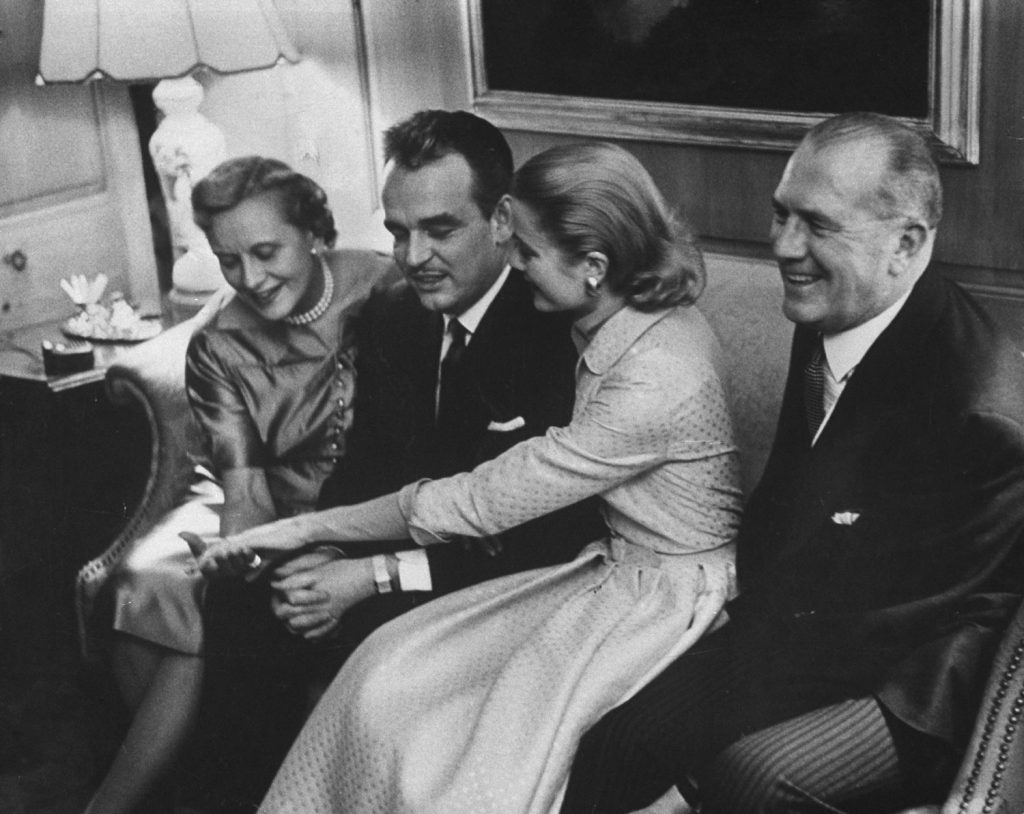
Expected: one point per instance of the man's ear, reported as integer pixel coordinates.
(501, 220)
(913, 239)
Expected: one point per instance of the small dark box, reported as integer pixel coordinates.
(62, 358)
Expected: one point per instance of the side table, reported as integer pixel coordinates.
(72, 464)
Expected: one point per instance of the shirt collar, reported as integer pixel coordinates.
(472, 316)
(613, 337)
(843, 351)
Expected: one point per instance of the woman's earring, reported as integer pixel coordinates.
(592, 286)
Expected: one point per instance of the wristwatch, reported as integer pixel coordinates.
(381, 577)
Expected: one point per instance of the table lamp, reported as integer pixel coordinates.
(168, 41)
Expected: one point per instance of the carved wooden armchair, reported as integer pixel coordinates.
(151, 379)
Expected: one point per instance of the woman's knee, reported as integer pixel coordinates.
(375, 678)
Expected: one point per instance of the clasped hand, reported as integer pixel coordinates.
(311, 601)
(312, 591)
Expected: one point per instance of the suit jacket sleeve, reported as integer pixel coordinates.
(925, 448)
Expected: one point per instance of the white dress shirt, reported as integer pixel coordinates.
(844, 351)
(413, 566)
(470, 320)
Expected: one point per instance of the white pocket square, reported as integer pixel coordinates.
(845, 518)
(507, 426)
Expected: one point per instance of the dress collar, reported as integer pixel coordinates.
(602, 348)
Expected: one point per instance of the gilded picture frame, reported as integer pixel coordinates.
(948, 114)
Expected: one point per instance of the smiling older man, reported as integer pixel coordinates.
(879, 557)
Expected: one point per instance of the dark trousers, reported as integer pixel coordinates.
(261, 680)
(701, 727)
(260, 685)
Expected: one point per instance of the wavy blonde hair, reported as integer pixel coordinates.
(598, 197)
(303, 202)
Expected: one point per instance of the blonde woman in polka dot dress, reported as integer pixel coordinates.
(474, 702)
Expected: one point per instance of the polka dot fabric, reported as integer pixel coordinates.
(475, 702)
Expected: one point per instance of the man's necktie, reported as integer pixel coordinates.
(814, 389)
(447, 401)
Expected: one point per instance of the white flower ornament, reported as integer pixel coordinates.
(83, 291)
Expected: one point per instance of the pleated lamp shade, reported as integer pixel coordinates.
(147, 40)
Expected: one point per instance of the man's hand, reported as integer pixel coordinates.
(307, 561)
(311, 602)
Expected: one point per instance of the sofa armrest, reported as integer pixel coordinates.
(991, 777)
(151, 379)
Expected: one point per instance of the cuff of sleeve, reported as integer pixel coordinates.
(407, 499)
(414, 570)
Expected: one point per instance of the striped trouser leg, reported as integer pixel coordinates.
(840, 758)
(639, 750)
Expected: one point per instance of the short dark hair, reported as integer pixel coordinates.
(911, 183)
(303, 201)
(430, 135)
(599, 197)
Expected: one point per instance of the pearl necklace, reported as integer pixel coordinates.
(323, 303)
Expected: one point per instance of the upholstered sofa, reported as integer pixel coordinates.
(743, 302)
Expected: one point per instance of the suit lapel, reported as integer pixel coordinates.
(490, 357)
(424, 358)
(883, 386)
(483, 382)
(411, 343)
(492, 331)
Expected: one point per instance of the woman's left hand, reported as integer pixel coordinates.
(223, 557)
(246, 551)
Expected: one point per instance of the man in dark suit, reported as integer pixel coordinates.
(879, 557)
(454, 366)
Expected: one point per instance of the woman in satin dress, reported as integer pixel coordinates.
(270, 380)
(475, 702)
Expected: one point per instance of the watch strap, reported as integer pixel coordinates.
(381, 577)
